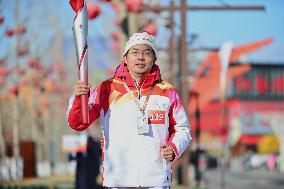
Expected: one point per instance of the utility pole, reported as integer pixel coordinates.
(184, 89)
(16, 150)
(2, 140)
(171, 46)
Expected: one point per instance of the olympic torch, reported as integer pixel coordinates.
(80, 32)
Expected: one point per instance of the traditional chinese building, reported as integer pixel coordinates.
(254, 112)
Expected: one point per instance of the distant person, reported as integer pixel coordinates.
(88, 166)
(145, 126)
(271, 162)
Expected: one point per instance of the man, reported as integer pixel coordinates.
(145, 127)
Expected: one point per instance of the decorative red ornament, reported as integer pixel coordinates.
(1, 19)
(93, 10)
(243, 84)
(262, 84)
(4, 71)
(14, 90)
(9, 32)
(278, 84)
(134, 5)
(35, 63)
(150, 29)
(21, 30)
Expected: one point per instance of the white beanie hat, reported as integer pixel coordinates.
(140, 38)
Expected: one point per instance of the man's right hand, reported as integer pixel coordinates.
(81, 89)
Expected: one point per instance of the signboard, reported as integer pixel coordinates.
(74, 143)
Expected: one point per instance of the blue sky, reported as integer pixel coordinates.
(212, 27)
(215, 27)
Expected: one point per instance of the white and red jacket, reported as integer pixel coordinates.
(130, 159)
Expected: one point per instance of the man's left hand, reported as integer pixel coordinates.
(167, 152)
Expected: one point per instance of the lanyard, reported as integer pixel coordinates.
(143, 107)
(139, 87)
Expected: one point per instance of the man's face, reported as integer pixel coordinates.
(140, 60)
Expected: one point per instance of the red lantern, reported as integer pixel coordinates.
(278, 84)
(243, 84)
(21, 30)
(9, 32)
(1, 19)
(35, 63)
(93, 10)
(14, 89)
(262, 84)
(134, 5)
(4, 71)
(2, 61)
(150, 29)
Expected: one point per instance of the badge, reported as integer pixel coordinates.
(142, 124)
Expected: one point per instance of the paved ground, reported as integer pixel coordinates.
(255, 179)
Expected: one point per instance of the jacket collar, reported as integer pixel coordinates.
(150, 78)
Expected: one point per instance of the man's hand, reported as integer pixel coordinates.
(81, 89)
(167, 152)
